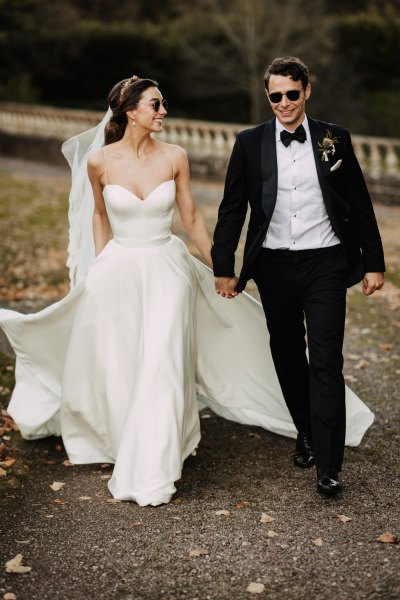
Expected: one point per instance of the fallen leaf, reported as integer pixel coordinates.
(205, 416)
(343, 518)
(105, 477)
(14, 565)
(105, 466)
(317, 542)
(224, 513)
(67, 463)
(386, 347)
(59, 501)
(361, 364)
(58, 447)
(49, 462)
(176, 501)
(255, 588)
(22, 541)
(388, 538)
(272, 534)
(113, 501)
(136, 524)
(198, 552)
(57, 485)
(6, 464)
(353, 356)
(3, 472)
(84, 498)
(9, 596)
(266, 518)
(240, 505)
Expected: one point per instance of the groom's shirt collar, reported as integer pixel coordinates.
(279, 127)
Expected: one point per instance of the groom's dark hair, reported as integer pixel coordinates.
(288, 66)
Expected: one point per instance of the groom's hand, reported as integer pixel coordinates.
(226, 286)
(372, 282)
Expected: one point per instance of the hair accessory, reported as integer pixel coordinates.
(127, 83)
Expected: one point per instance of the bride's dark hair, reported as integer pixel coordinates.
(123, 97)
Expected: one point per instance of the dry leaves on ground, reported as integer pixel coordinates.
(240, 505)
(343, 518)
(9, 596)
(318, 542)
(57, 485)
(6, 423)
(7, 463)
(255, 588)
(3, 472)
(200, 551)
(266, 518)
(222, 513)
(388, 538)
(14, 565)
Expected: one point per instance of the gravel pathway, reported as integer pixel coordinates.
(81, 546)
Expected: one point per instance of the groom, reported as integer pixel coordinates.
(312, 233)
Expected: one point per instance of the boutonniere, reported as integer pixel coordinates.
(327, 146)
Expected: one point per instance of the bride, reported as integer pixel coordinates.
(121, 366)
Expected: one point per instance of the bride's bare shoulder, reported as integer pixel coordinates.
(96, 161)
(174, 152)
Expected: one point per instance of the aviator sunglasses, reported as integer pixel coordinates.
(291, 95)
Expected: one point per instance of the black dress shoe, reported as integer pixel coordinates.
(303, 456)
(328, 481)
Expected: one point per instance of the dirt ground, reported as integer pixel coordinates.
(81, 546)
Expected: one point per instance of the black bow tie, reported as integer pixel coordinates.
(299, 135)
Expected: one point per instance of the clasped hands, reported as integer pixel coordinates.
(226, 286)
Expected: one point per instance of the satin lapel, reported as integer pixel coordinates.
(317, 135)
(335, 205)
(269, 169)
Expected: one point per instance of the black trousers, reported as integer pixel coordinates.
(304, 294)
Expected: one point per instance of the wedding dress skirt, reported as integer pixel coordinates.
(121, 366)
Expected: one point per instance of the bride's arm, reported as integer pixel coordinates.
(101, 224)
(192, 220)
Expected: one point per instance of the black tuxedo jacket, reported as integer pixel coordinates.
(252, 178)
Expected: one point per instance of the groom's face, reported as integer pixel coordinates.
(289, 112)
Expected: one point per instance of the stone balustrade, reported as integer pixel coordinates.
(208, 144)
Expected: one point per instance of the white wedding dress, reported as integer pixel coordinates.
(122, 364)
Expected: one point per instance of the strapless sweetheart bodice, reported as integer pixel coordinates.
(137, 222)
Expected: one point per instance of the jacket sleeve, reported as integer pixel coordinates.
(362, 212)
(231, 215)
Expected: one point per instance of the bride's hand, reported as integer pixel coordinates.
(226, 286)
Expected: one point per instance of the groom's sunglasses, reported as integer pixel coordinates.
(291, 95)
(157, 103)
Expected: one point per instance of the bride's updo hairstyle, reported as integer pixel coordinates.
(124, 96)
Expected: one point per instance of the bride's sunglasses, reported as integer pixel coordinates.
(291, 95)
(157, 103)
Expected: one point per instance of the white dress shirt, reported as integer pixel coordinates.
(299, 220)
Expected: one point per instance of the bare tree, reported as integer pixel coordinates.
(254, 32)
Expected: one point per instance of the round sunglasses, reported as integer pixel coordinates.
(157, 103)
(291, 95)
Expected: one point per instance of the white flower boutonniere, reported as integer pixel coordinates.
(327, 146)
